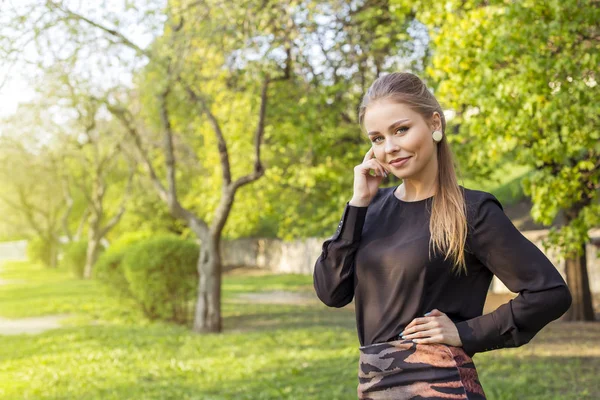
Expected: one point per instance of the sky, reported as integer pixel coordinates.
(14, 91)
(16, 79)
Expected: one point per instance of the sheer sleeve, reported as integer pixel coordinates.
(333, 276)
(543, 295)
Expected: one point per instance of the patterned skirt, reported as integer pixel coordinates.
(402, 369)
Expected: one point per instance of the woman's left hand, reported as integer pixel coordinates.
(436, 327)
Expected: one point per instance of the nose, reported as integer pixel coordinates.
(391, 148)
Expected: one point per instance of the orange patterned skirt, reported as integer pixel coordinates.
(402, 369)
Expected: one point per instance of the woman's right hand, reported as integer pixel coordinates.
(366, 185)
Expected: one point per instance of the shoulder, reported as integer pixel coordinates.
(481, 204)
(384, 192)
(381, 195)
(476, 198)
(379, 203)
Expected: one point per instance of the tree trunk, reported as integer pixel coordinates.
(93, 241)
(578, 282)
(577, 278)
(53, 253)
(91, 256)
(207, 317)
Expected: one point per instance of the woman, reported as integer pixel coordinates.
(418, 258)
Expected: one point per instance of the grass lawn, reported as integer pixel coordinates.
(107, 350)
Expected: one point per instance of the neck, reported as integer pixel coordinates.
(411, 193)
(420, 187)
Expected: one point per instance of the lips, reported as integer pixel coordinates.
(399, 159)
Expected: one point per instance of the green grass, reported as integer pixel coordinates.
(266, 351)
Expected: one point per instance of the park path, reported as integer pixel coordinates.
(32, 325)
(15, 251)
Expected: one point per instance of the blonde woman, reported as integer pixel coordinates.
(418, 258)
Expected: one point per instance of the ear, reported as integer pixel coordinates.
(436, 121)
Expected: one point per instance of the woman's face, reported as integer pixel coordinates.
(396, 131)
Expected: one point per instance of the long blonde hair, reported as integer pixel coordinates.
(448, 223)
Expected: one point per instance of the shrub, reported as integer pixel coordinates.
(162, 277)
(41, 251)
(109, 270)
(109, 266)
(74, 255)
(129, 238)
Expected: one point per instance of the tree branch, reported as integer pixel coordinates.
(126, 119)
(116, 218)
(116, 34)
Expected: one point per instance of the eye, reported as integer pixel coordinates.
(402, 128)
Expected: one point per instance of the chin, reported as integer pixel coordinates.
(402, 175)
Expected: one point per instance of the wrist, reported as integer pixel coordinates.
(359, 202)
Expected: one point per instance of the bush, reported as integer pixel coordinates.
(162, 277)
(109, 266)
(74, 255)
(127, 239)
(41, 251)
(109, 270)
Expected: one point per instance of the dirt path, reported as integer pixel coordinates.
(30, 325)
(27, 325)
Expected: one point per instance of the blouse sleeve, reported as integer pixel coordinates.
(543, 295)
(333, 276)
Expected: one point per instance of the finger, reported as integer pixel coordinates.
(383, 169)
(407, 327)
(372, 164)
(430, 330)
(417, 321)
(420, 327)
(435, 312)
(423, 334)
(430, 340)
(376, 165)
(369, 155)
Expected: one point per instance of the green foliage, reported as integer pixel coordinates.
(504, 183)
(522, 78)
(39, 250)
(127, 239)
(163, 277)
(74, 256)
(109, 270)
(109, 267)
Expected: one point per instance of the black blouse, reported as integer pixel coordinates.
(379, 257)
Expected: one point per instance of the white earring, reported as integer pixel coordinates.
(437, 135)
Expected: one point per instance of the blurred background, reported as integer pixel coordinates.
(170, 169)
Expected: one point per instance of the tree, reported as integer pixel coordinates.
(28, 177)
(98, 156)
(522, 77)
(249, 77)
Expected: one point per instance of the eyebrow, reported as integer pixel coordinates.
(391, 126)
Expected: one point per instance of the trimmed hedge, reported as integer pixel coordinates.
(109, 269)
(162, 277)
